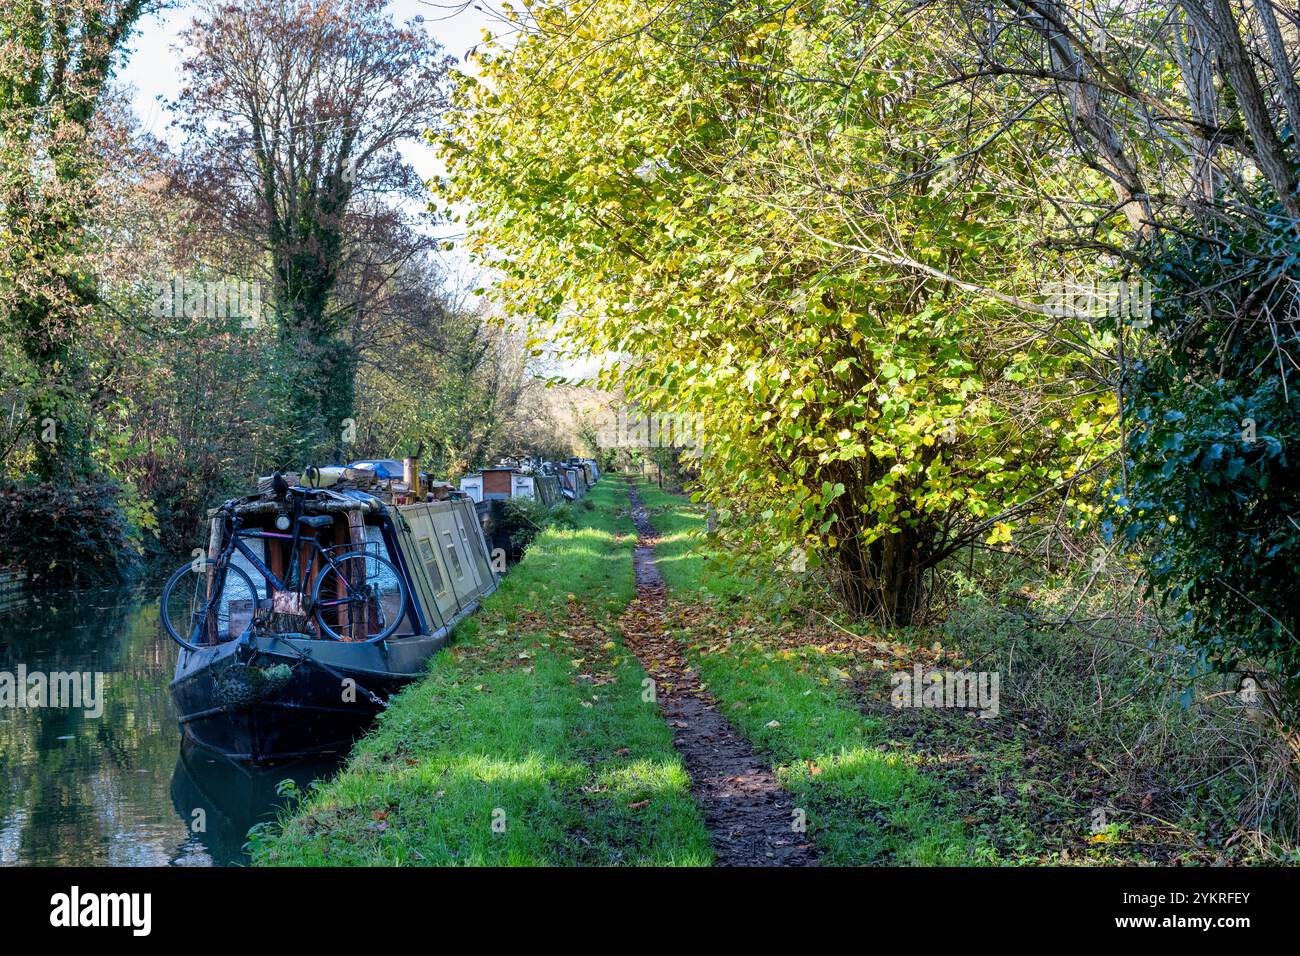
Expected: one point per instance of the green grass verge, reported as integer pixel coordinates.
(527, 744)
(1099, 717)
(865, 802)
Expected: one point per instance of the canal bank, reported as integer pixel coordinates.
(532, 741)
(538, 738)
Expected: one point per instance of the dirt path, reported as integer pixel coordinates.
(748, 814)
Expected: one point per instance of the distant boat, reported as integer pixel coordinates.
(503, 482)
(311, 607)
(551, 483)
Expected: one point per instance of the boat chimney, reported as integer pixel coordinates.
(411, 475)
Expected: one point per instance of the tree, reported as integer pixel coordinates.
(55, 59)
(294, 110)
(1188, 108)
(451, 377)
(1213, 485)
(811, 247)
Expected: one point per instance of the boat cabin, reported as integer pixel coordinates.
(502, 482)
(590, 473)
(438, 546)
(573, 481)
(491, 484)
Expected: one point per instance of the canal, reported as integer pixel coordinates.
(114, 788)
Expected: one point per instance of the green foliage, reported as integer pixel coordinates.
(590, 437)
(440, 385)
(523, 519)
(1214, 424)
(793, 266)
(55, 60)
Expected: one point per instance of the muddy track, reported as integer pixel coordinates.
(748, 815)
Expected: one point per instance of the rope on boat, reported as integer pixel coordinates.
(374, 698)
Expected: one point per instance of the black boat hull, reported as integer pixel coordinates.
(323, 706)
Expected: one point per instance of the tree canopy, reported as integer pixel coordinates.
(799, 239)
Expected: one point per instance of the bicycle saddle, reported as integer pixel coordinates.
(316, 521)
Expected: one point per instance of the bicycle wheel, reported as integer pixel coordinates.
(359, 597)
(192, 618)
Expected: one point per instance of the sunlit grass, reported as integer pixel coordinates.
(503, 756)
(863, 804)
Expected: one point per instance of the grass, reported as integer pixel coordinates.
(527, 744)
(1106, 751)
(865, 803)
(1113, 747)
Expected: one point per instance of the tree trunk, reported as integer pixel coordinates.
(1087, 109)
(1214, 18)
(884, 580)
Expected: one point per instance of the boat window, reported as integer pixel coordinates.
(431, 566)
(258, 547)
(455, 557)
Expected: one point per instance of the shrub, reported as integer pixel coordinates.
(67, 535)
(1212, 416)
(522, 520)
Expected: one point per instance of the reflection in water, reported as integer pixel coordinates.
(221, 801)
(112, 791)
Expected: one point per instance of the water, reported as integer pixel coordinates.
(119, 789)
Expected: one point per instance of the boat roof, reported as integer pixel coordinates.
(317, 500)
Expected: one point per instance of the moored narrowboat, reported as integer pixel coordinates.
(311, 606)
(573, 481)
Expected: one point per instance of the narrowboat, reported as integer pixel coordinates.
(490, 489)
(501, 483)
(547, 489)
(573, 481)
(590, 473)
(312, 605)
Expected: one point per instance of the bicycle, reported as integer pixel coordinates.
(352, 590)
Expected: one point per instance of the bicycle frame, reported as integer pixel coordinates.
(273, 581)
(294, 580)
